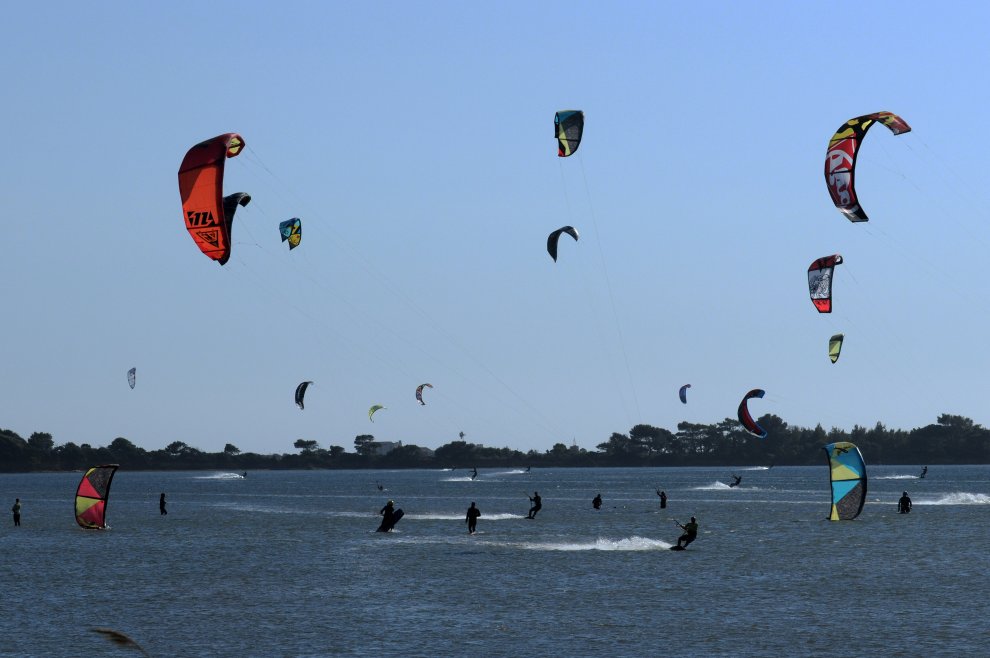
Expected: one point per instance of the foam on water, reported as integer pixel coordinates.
(896, 477)
(219, 476)
(755, 468)
(512, 472)
(429, 516)
(714, 486)
(958, 498)
(460, 479)
(633, 543)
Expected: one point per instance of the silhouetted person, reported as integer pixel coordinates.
(924, 472)
(16, 509)
(472, 518)
(388, 517)
(663, 499)
(690, 533)
(904, 504)
(597, 502)
(474, 473)
(379, 485)
(537, 505)
(161, 504)
(738, 479)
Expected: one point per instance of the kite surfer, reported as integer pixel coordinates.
(537, 504)
(738, 479)
(16, 509)
(690, 533)
(472, 518)
(597, 502)
(663, 499)
(161, 504)
(474, 473)
(904, 504)
(924, 472)
(379, 485)
(388, 517)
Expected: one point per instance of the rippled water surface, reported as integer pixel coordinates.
(288, 564)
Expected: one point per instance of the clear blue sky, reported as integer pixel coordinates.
(415, 142)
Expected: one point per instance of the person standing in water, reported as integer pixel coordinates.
(16, 509)
(904, 504)
(474, 473)
(663, 499)
(537, 505)
(472, 518)
(388, 517)
(690, 533)
(161, 504)
(597, 502)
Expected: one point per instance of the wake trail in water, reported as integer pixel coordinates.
(633, 543)
(958, 498)
(219, 476)
(428, 516)
(513, 472)
(460, 479)
(896, 477)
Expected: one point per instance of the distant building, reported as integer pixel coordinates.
(380, 448)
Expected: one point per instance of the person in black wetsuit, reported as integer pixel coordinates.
(904, 504)
(924, 472)
(472, 518)
(16, 509)
(738, 479)
(597, 502)
(388, 517)
(161, 505)
(663, 499)
(537, 505)
(690, 533)
(474, 473)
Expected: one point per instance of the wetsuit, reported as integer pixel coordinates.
(16, 509)
(597, 502)
(924, 472)
(904, 505)
(738, 480)
(663, 499)
(537, 505)
(690, 534)
(388, 513)
(161, 505)
(474, 474)
(472, 518)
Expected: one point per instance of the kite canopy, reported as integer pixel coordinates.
(291, 230)
(132, 377)
(372, 410)
(92, 496)
(683, 393)
(840, 160)
(554, 237)
(847, 475)
(208, 215)
(746, 419)
(301, 393)
(419, 392)
(568, 125)
(820, 281)
(835, 346)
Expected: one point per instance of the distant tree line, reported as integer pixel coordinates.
(951, 440)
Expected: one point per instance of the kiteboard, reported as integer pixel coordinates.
(395, 519)
(677, 548)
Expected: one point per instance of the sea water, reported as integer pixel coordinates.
(288, 563)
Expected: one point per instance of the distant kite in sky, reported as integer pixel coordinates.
(92, 496)
(419, 392)
(554, 237)
(568, 126)
(372, 410)
(683, 393)
(835, 347)
(746, 419)
(291, 230)
(301, 393)
(820, 281)
(132, 377)
(840, 160)
(207, 213)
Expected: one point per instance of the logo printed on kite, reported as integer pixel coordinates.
(200, 218)
(212, 237)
